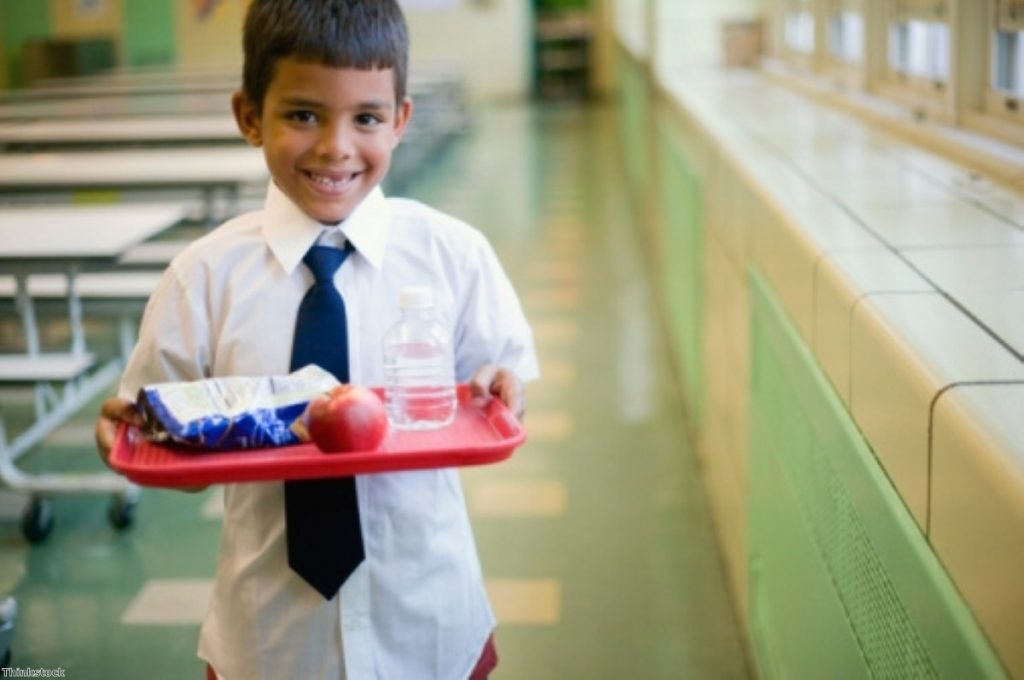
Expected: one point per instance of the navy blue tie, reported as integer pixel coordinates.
(325, 541)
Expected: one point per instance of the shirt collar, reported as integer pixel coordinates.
(290, 232)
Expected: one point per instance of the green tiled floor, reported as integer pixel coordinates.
(595, 536)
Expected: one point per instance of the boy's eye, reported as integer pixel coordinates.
(368, 119)
(302, 116)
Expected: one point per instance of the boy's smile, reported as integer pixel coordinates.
(327, 133)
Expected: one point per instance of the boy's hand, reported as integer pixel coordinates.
(114, 412)
(494, 381)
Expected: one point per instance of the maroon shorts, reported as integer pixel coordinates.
(487, 662)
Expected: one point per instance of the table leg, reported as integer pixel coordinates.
(208, 205)
(75, 314)
(233, 201)
(28, 314)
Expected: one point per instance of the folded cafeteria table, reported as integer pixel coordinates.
(70, 241)
(111, 130)
(206, 169)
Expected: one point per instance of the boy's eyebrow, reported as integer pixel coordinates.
(373, 104)
(301, 101)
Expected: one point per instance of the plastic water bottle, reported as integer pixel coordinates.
(419, 371)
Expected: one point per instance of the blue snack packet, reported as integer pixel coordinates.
(231, 413)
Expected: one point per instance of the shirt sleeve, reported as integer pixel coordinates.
(491, 327)
(174, 338)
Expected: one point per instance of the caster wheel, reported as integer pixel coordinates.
(37, 520)
(8, 612)
(121, 512)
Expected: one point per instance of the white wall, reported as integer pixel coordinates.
(487, 40)
(629, 19)
(689, 32)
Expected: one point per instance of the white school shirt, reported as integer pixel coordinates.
(416, 607)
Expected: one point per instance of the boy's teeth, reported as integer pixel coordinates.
(327, 181)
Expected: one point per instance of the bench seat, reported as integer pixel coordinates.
(129, 285)
(158, 253)
(48, 367)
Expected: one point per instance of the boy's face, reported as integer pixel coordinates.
(327, 133)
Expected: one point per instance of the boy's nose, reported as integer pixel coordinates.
(335, 141)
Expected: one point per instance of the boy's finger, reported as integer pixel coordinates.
(480, 383)
(492, 381)
(121, 410)
(112, 413)
(106, 434)
(508, 388)
(504, 385)
(106, 430)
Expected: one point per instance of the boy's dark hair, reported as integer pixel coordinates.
(362, 34)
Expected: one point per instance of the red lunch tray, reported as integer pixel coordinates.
(479, 435)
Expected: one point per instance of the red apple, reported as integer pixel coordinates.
(347, 418)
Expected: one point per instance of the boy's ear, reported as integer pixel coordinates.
(402, 116)
(247, 118)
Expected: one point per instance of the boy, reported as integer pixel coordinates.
(324, 95)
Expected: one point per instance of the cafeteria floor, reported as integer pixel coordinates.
(595, 536)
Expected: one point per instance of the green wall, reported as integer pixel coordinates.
(560, 5)
(150, 32)
(635, 122)
(21, 21)
(680, 262)
(842, 582)
(149, 35)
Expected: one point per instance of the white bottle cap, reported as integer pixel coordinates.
(416, 297)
